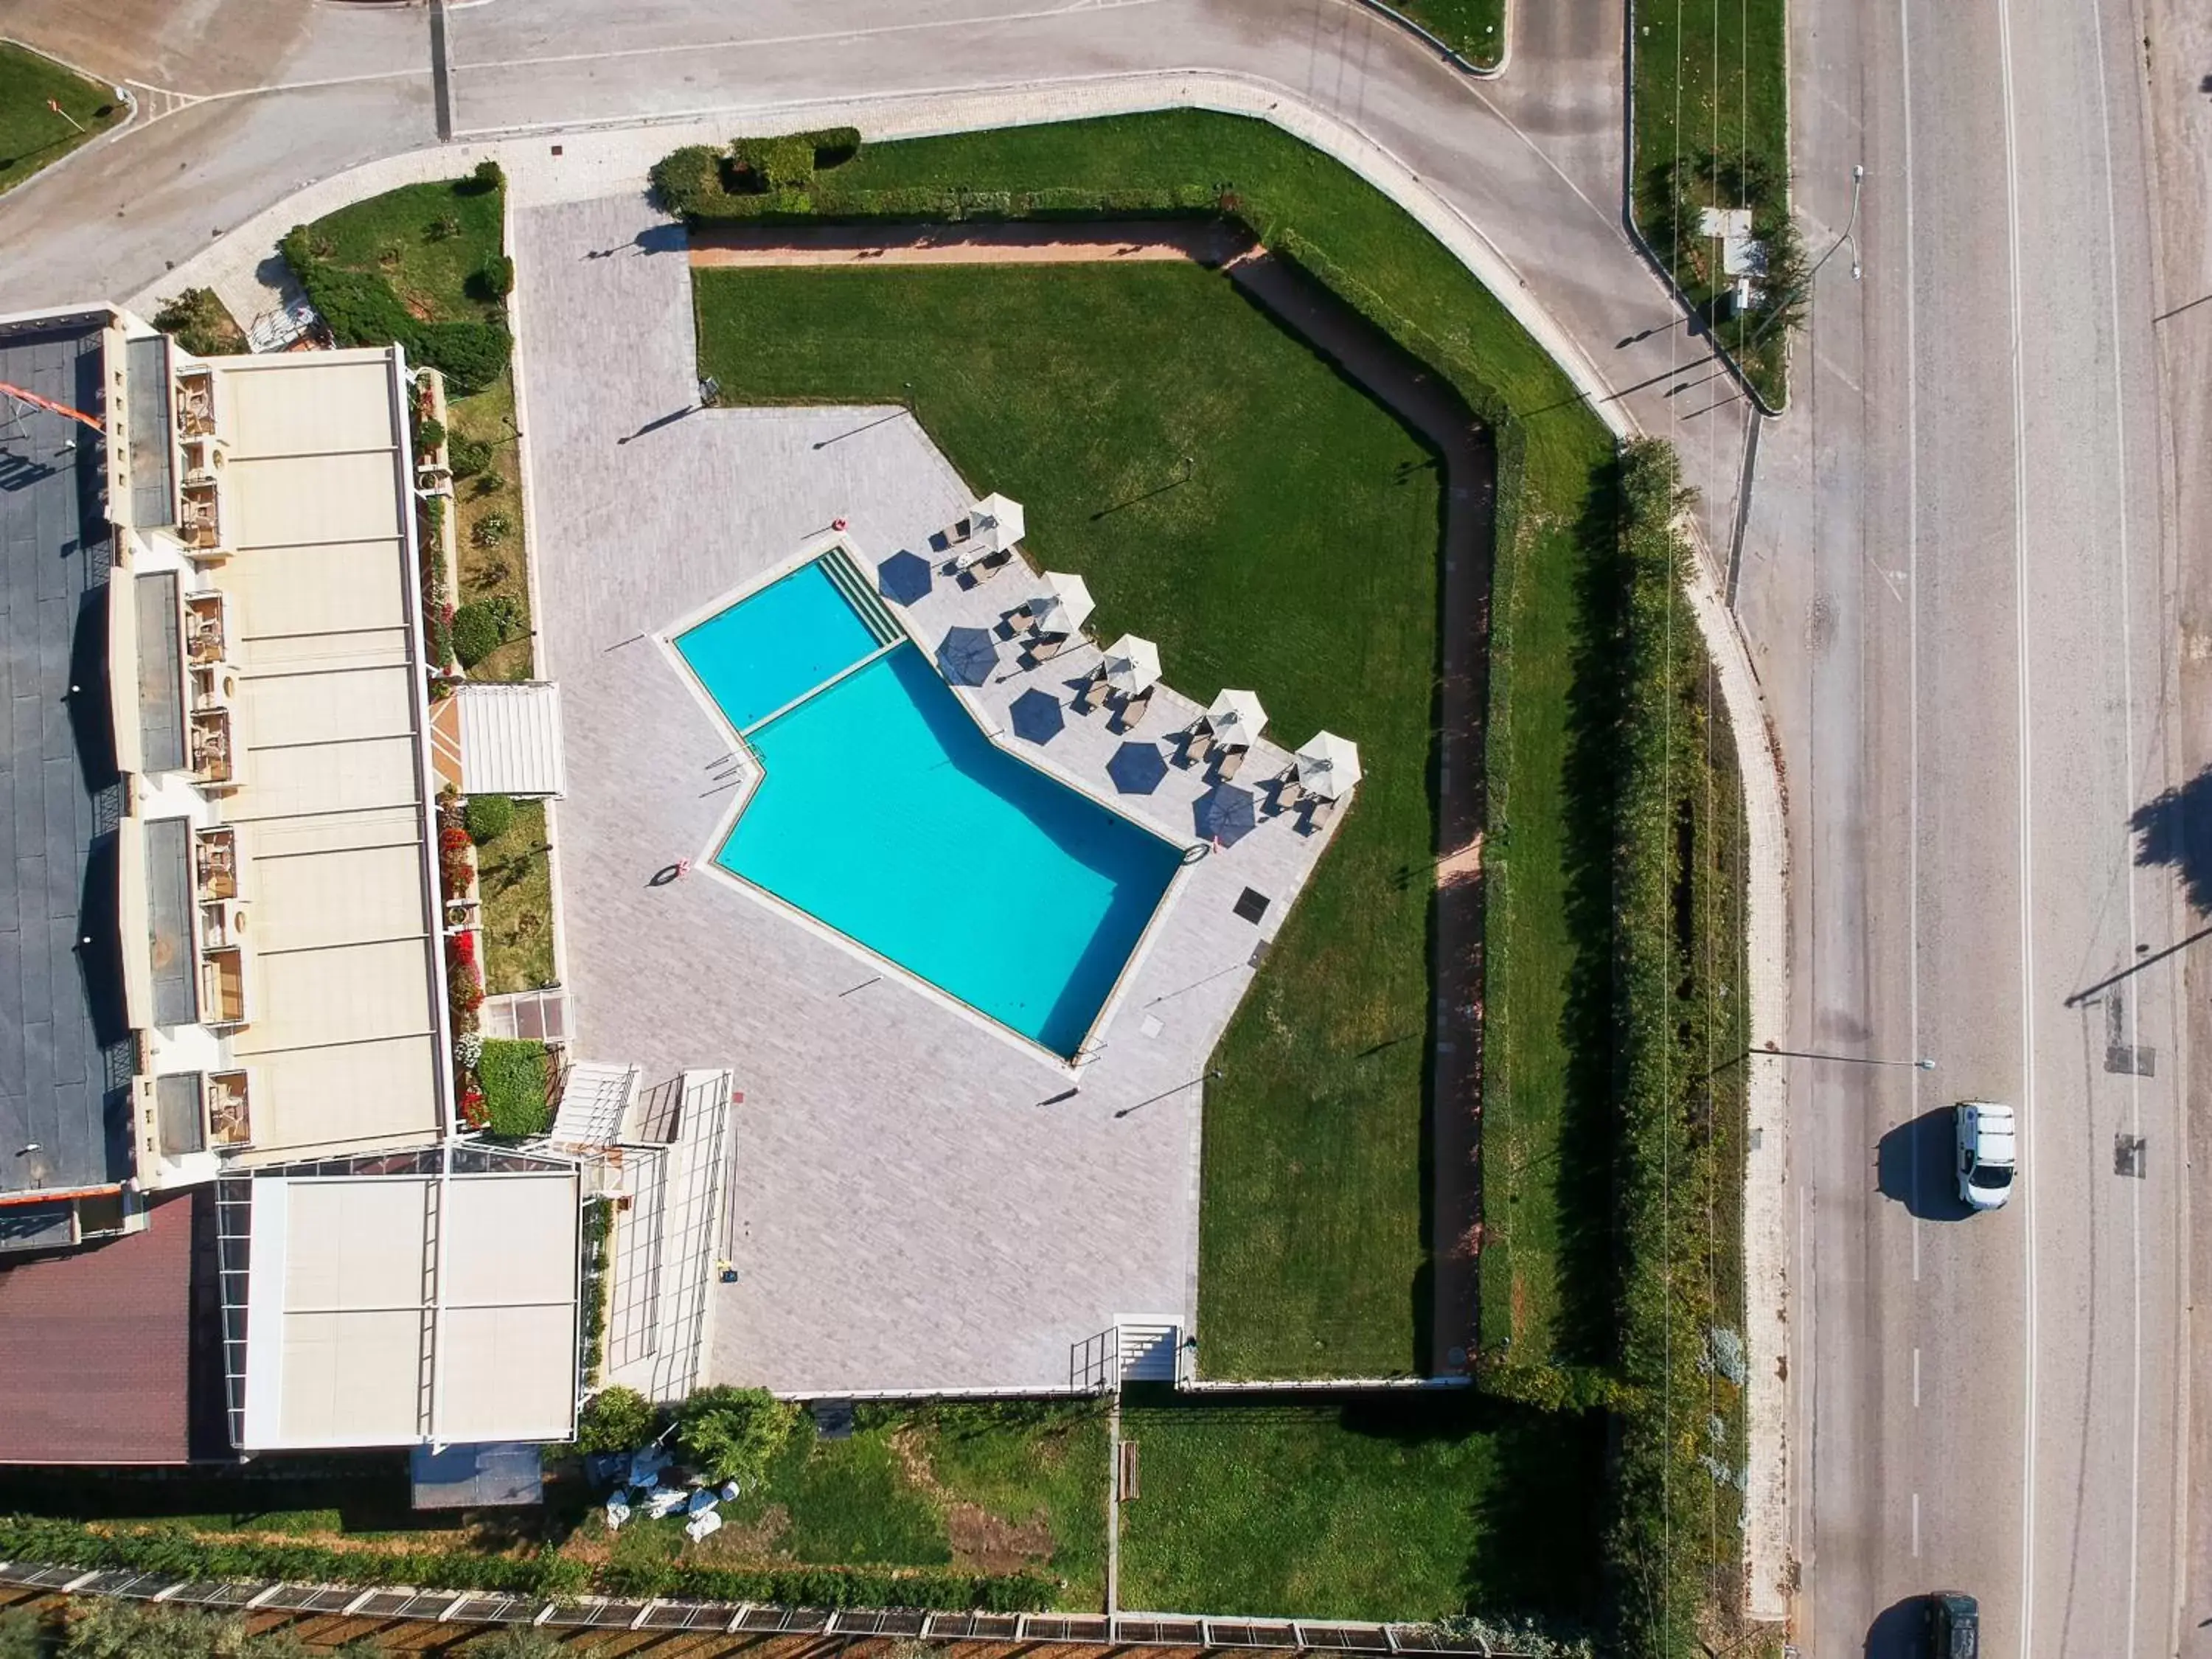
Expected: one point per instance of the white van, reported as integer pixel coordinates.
(1986, 1154)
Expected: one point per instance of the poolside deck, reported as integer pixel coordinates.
(919, 1201)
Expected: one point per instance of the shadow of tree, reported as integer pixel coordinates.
(2175, 830)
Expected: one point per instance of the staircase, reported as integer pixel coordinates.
(860, 593)
(1148, 1346)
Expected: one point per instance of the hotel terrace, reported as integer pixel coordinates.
(227, 1061)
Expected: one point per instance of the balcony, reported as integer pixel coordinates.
(200, 519)
(208, 737)
(223, 984)
(196, 404)
(215, 865)
(230, 1123)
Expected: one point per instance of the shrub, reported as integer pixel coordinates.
(491, 529)
(443, 229)
(359, 305)
(470, 456)
(494, 279)
(489, 817)
(617, 1420)
(22, 1634)
(201, 323)
(471, 356)
(485, 177)
(732, 1434)
(516, 1642)
(429, 433)
(682, 177)
(477, 634)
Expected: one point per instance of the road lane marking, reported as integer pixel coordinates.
(2026, 1118)
(1915, 1379)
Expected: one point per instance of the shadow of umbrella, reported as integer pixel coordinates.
(1226, 813)
(1137, 768)
(903, 577)
(1037, 716)
(967, 656)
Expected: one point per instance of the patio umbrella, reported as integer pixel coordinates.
(1329, 765)
(1036, 716)
(903, 577)
(1137, 768)
(996, 522)
(967, 656)
(1066, 606)
(1227, 813)
(1131, 664)
(1236, 719)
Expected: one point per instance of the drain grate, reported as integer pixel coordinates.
(2131, 1156)
(1251, 905)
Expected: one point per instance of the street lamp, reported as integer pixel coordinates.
(1845, 1060)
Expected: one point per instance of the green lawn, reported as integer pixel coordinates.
(427, 239)
(1543, 855)
(513, 1074)
(1473, 29)
(1713, 128)
(1296, 554)
(1004, 1487)
(515, 872)
(1396, 1508)
(32, 136)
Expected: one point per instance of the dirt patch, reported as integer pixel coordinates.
(1135, 243)
(983, 1542)
(753, 1540)
(1461, 864)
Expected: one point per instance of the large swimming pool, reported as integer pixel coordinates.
(887, 814)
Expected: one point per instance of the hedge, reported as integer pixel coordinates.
(176, 1553)
(361, 309)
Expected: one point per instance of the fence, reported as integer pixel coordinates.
(481, 1608)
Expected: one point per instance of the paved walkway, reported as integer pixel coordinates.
(1092, 242)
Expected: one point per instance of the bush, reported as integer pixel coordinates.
(443, 229)
(22, 1634)
(516, 1642)
(429, 433)
(684, 177)
(491, 529)
(477, 634)
(733, 1434)
(201, 323)
(617, 1420)
(488, 817)
(486, 178)
(513, 1074)
(471, 356)
(469, 456)
(494, 279)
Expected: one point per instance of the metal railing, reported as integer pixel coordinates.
(1160, 1629)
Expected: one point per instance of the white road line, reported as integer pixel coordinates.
(1915, 1379)
(2129, 801)
(1912, 614)
(2027, 1115)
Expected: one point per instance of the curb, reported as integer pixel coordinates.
(1659, 267)
(1444, 48)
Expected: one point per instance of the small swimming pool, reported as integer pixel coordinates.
(885, 813)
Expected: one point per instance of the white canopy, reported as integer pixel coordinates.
(1131, 664)
(1066, 606)
(996, 522)
(1329, 765)
(1236, 718)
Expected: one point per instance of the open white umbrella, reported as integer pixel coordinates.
(1066, 606)
(1236, 719)
(1328, 766)
(996, 522)
(1131, 664)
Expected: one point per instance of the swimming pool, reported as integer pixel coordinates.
(885, 813)
(772, 649)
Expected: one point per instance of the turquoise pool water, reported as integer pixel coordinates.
(887, 814)
(777, 644)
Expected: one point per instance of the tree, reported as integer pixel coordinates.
(733, 1434)
(22, 1634)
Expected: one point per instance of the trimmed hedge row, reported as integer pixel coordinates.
(363, 309)
(173, 1552)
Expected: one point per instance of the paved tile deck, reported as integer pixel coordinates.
(917, 1202)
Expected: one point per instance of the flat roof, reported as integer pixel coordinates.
(346, 1034)
(421, 1307)
(64, 1041)
(96, 1366)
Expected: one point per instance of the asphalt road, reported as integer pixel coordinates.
(1973, 575)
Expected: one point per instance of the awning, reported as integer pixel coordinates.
(510, 738)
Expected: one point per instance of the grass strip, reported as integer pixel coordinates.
(1475, 29)
(1712, 130)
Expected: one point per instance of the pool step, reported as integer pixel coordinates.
(860, 593)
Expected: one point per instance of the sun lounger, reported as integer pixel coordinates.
(1087, 693)
(1226, 767)
(1133, 709)
(1049, 646)
(1198, 741)
(1289, 792)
